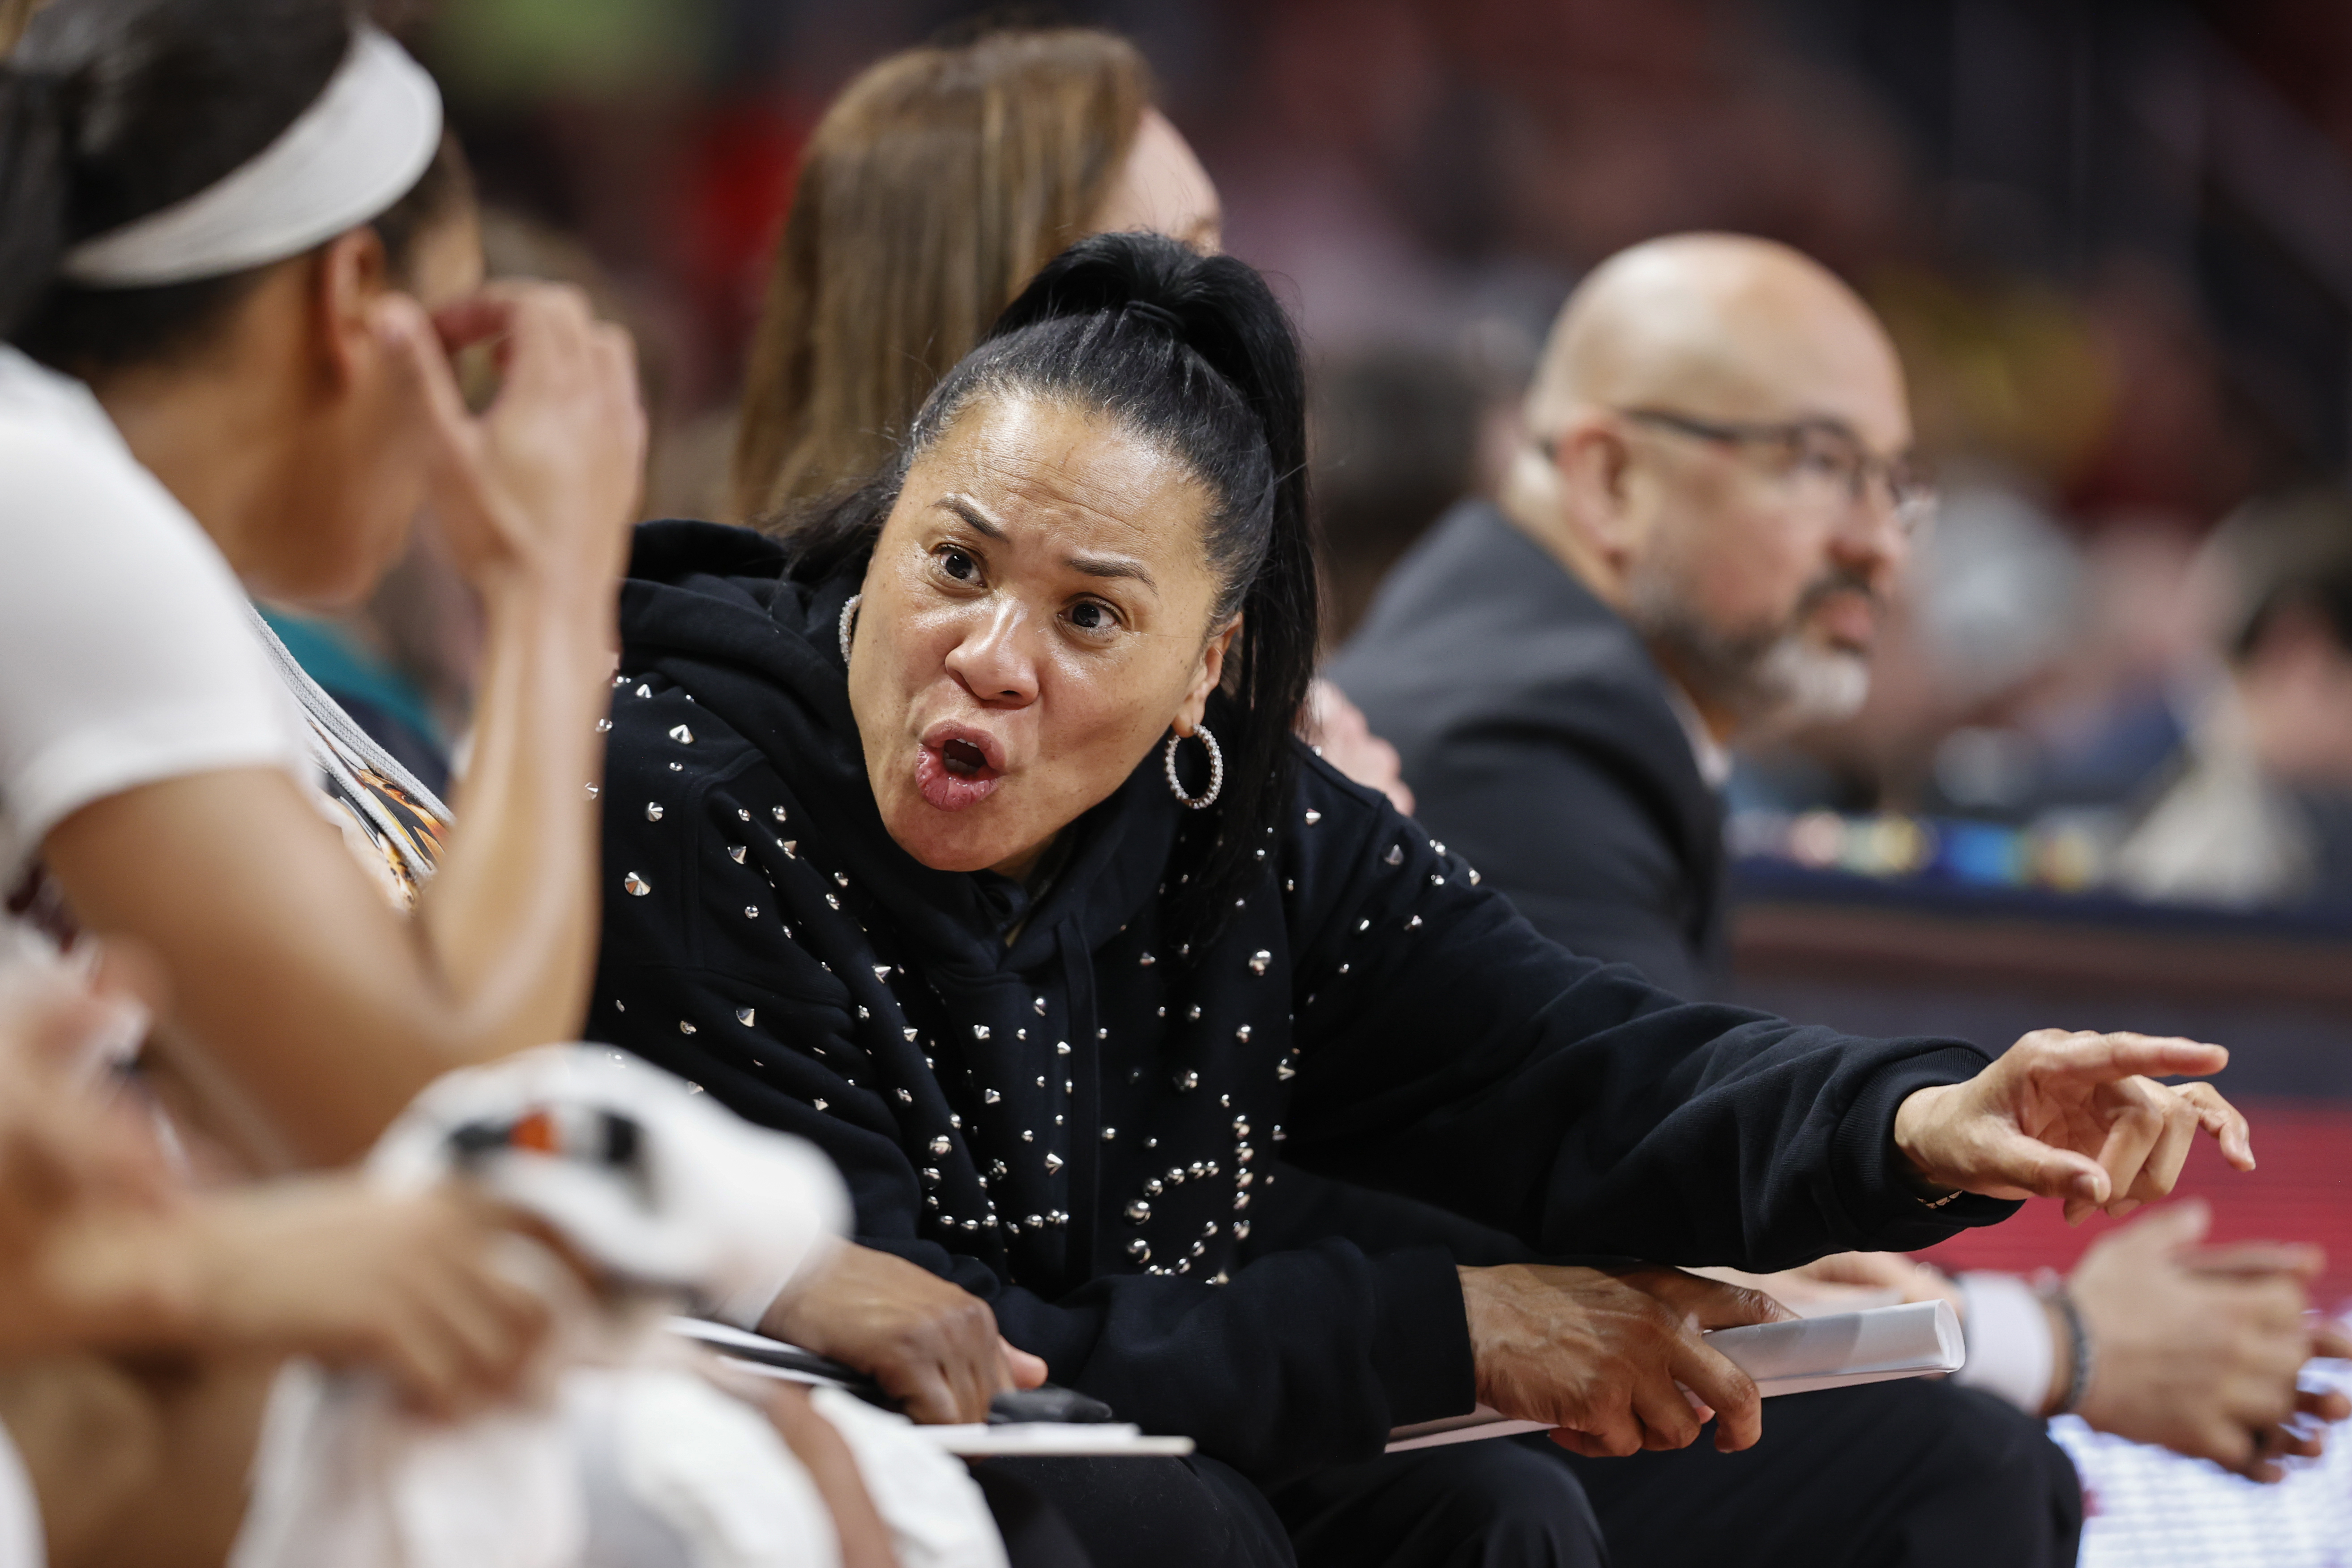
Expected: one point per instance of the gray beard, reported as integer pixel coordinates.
(1772, 681)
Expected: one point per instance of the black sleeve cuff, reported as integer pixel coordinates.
(1881, 1196)
(1421, 1337)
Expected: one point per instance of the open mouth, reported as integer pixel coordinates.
(953, 768)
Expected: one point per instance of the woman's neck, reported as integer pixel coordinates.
(220, 425)
(1033, 865)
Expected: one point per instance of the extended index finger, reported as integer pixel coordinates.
(2099, 1058)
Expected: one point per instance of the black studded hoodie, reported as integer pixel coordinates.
(1073, 1123)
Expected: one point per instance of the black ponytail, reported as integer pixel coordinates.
(33, 187)
(111, 109)
(1195, 354)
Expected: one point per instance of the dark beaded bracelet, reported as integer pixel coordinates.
(2078, 1337)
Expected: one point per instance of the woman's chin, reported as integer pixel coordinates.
(946, 840)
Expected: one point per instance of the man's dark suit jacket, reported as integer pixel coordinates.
(1540, 745)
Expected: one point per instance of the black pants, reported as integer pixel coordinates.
(1914, 1474)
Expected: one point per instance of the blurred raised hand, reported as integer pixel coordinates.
(2198, 1348)
(543, 482)
(1337, 729)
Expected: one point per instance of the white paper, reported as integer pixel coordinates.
(1841, 1350)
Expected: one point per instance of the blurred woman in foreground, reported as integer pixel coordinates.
(236, 254)
(217, 385)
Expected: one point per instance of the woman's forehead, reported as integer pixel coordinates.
(1036, 464)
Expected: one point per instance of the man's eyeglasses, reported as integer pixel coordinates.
(1817, 451)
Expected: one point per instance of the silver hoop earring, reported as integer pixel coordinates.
(1207, 798)
(848, 623)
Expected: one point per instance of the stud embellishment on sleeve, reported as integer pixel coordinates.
(1313, 816)
(777, 812)
(637, 886)
(744, 1016)
(683, 1027)
(941, 1144)
(1259, 959)
(681, 734)
(1395, 857)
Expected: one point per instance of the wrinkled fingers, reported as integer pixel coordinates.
(1724, 1388)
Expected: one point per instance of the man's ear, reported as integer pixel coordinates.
(1212, 671)
(350, 274)
(1594, 466)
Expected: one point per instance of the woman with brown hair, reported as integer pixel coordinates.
(937, 184)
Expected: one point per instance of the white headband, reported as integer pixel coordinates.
(344, 160)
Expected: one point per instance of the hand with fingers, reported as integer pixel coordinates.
(1605, 1354)
(932, 1345)
(2077, 1117)
(543, 484)
(64, 1149)
(2198, 1348)
(416, 1288)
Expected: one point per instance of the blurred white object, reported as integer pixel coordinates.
(1995, 589)
(628, 1457)
(22, 1541)
(2223, 833)
(700, 1201)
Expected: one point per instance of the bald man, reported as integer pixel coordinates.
(1692, 550)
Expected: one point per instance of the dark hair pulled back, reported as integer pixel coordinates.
(111, 109)
(1193, 354)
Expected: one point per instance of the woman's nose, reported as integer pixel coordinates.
(994, 660)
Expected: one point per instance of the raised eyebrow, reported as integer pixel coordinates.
(968, 510)
(1110, 566)
(1831, 422)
